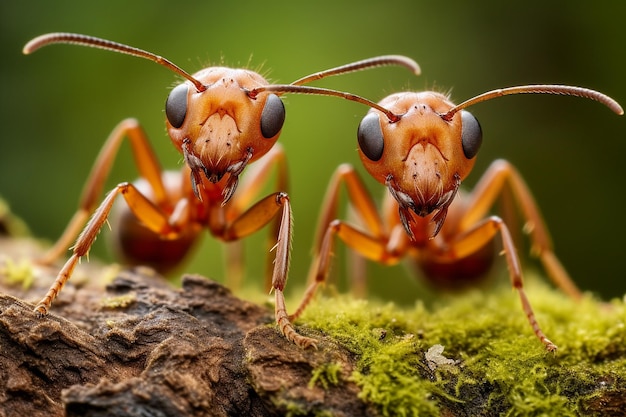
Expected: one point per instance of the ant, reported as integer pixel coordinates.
(421, 148)
(220, 120)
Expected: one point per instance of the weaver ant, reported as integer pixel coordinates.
(421, 148)
(220, 120)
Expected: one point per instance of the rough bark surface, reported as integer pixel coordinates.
(139, 347)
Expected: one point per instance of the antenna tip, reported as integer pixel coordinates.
(36, 43)
(28, 48)
(615, 107)
(414, 66)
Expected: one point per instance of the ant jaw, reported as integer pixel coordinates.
(235, 170)
(197, 167)
(406, 205)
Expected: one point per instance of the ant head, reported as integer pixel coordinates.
(429, 146)
(222, 128)
(211, 118)
(421, 156)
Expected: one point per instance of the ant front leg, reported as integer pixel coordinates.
(380, 242)
(475, 238)
(474, 231)
(247, 192)
(146, 212)
(252, 220)
(147, 165)
(500, 175)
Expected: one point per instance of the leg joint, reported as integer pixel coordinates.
(281, 197)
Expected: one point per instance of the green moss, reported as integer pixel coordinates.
(492, 364)
(326, 375)
(16, 273)
(295, 409)
(121, 301)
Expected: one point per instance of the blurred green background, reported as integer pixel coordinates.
(59, 105)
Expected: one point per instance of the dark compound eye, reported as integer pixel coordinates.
(471, 134)
(272, 117)
(176, 105)
(370, 136)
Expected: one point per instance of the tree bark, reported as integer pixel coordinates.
(139, 347)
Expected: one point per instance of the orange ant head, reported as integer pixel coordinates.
(422, 157)
(222, 128)
(216, 119)
(421, 146)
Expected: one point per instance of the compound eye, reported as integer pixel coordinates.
(272, 117)
(471, 134)
(370, 136)
(176, 105)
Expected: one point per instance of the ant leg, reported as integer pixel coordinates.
(147, 165)
(359, 196)
(475, 238)
(145, 210)
(252, 220)
(502, 174)
(253, 180)
(374, 244)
